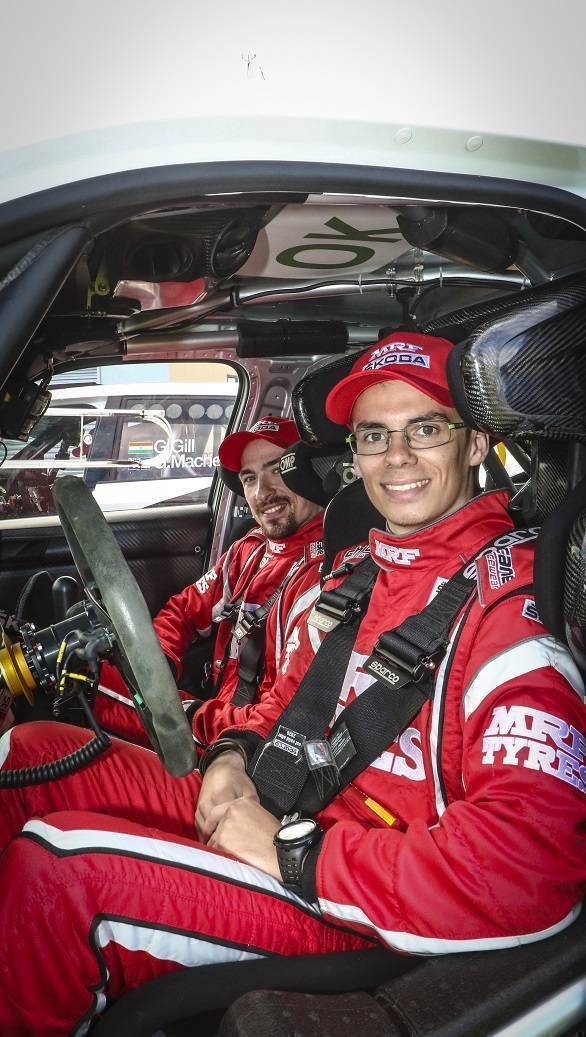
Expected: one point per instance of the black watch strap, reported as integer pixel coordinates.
(291, 854)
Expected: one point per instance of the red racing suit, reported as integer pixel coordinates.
(248, 573)
(464, 834)
(428, 847)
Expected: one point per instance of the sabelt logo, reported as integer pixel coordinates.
(396, 555)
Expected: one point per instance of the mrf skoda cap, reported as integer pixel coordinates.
(282, 432)
(419, 360)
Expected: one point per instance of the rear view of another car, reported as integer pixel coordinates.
(145, 464)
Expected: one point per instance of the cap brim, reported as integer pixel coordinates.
(340, 402)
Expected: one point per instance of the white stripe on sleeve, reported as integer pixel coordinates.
(518, 660)
(412, 943)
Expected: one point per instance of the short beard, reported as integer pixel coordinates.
(281, 529)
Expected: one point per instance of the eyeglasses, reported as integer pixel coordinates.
(418, 435)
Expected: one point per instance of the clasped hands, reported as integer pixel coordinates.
(230, 818)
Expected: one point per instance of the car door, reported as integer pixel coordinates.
(161, 522)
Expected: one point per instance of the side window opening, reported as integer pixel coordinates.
(198, 413)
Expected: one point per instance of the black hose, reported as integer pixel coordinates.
(17, 779)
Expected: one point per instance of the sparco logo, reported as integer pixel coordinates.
(397, 555)
(287, 462)
(276, 547)
(384, 672)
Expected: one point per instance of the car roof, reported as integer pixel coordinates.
(425, 88)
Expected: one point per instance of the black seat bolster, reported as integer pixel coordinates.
(463, 994)
(449, 995)
(550, 559)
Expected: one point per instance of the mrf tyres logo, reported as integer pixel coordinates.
(397, 353)
(518, 736)
(395, 555)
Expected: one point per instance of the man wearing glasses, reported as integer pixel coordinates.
(462, 833)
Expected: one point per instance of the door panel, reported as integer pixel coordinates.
(164, 551)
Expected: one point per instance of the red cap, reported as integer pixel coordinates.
(280, 431)
(419, 360)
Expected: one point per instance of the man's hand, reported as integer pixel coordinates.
(246, 830)
(224, 781)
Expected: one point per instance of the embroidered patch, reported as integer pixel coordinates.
(265, 426)
(500, 566)
(291, 646)
(316, 549)
(275, 547)
(413, 359)
(396, 555)
(530, 610)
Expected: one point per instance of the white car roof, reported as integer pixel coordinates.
(492, 88)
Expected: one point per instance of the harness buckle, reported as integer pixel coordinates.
(228, 612)
(244, 626)
(332, 609)
(396, 667)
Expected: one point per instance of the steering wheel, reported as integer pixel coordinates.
(107, 578)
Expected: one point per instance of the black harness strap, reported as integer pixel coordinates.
(249, 632)
(404, 661)
(297, 767)
(276, 763)
(230, 612)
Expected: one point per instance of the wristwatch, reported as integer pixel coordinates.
(293, 841)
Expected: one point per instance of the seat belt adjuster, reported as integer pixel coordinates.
(333, 608)
(396, 662)
(247, 622)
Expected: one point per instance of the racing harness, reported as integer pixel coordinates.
(248, 631)
(301, 768)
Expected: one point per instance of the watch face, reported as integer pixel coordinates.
(296, 830)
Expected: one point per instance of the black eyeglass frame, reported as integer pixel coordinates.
(351, 438)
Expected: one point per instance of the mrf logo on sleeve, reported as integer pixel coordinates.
(518, 736)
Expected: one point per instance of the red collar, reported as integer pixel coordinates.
(309, 536)
(460, 534)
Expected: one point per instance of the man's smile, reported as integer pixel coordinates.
(405, 488)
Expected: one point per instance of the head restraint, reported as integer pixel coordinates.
(317, 473)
